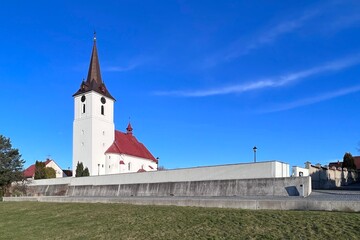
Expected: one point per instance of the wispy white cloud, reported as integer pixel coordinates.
(323, 15)
(344, 21)
(268, 82)
(239, 48)
(313, 100)
(135, 63)
(120, 68)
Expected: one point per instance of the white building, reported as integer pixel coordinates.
(96, 143)
(29, 173)
(300, 171)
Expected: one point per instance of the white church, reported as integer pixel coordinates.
(96, 143)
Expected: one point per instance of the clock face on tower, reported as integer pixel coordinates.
(83, 98)
(103, 100)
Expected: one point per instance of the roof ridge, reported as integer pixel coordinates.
(128, 144)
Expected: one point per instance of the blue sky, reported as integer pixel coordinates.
(202, 81)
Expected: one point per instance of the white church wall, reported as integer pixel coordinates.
(119, 163)
(82, 132)
(103, 132)
(221, 172)
(93, 132)
(137, 163)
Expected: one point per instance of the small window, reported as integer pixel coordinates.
(83, 108)
(102, 109)
(129, 166)
(301, 174)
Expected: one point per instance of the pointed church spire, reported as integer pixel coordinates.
(94, 81)
(94, 73)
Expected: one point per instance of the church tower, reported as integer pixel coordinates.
(93, 127)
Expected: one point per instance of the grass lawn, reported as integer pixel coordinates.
(32, 220)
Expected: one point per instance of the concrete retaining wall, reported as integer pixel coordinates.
(271, 169)
(254, 204)
(300, 186)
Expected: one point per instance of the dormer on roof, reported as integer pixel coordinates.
(94, 81)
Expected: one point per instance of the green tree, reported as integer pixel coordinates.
(11, 165)
(348, 161)
(39, 170)
(79, 169)
(49, 172)
(86, 172)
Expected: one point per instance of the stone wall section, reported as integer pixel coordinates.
(323, 177)
(290, 186)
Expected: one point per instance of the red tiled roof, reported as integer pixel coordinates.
(121, 162)
(30, 171)
(335, 164)
(357, 162)
(339, 164)
(128, 144)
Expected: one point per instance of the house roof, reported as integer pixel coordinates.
(339, 164)
(335, 164)
(126, 143)
(357, 162)
(68, 173)
(94, 81)
(30, 171)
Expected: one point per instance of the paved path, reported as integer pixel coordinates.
(335, 195)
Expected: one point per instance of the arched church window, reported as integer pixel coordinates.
(102, 109)
(83, 108)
